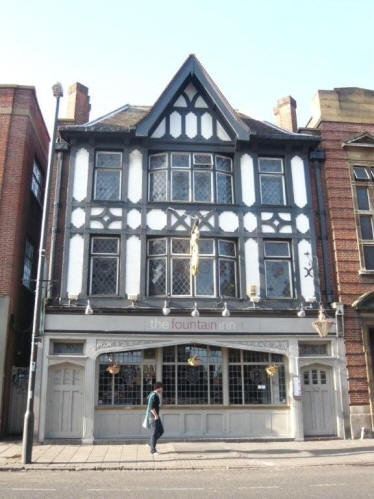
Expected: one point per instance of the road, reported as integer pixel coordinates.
(341, 482)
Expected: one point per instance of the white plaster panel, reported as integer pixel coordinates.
(180, 102)
(96, 211)
(252, 265)
(116, 224)
(302, 223)
(190, 91)
(117, 212)
(221, 132)
(248, 181)
(160, 130)
(95, 224)
(175, 124)
(133, 265)
(80, 174)
(285, 216)
(156, 219)
(134, 219)
(228, 221)
(206, 126)
(78, 217)
(134, 192)
(298, 181)
(75, 265)
(200, 102)
(191, 125)
(286, 229)
(305, 258)
(250, 221)
(267, 228)
(266, 215)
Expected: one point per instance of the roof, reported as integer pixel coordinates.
(141, 119)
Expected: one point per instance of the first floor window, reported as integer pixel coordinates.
(37, 182)
(169, 268)
(272, 181)
(107, 185)
(278, 272)
(28, 264)
(192, 375)
(104, 265)
(368, 257)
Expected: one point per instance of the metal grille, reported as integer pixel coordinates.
(203, 186)
(227, 281)
(181, 276)
(205, 278)
(272, 189)
(224, 188)
(157, 186)
(180, 186)
(107, 185)
(104, 275)
(278, 283)
(157, 276)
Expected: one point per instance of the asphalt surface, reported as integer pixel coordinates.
(340, 482)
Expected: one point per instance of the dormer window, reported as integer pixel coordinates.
(184, 177)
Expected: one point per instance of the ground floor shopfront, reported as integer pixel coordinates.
(227, 394)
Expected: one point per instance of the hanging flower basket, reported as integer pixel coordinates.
(271, 370)
(194, 361)
(113, 369)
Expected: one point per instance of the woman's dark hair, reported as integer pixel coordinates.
(158, 384)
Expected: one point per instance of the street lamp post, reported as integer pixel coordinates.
(28, 426)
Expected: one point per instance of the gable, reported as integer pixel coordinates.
(191, 116)
(188, 105)
(364, 139)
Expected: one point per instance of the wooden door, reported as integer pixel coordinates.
(318, 402)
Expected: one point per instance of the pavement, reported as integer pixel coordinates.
(190, 455)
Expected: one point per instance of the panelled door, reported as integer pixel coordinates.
(65, 401)
(318, 401)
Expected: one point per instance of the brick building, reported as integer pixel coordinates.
(23, 158)
(344, 118)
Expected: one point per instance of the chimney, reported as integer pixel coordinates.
(285, 113)
(78, 104)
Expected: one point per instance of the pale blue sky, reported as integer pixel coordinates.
(127, 51)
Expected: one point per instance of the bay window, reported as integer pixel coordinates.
(169, 268)
(190, 177)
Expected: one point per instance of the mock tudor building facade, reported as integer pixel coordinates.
(234, 344)
(344, 118)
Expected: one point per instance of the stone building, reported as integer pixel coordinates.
(23, 158)
(232, 344)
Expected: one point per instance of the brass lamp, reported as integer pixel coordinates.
(271, 370)
(194, 361)
(322, 325)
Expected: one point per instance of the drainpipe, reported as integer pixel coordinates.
(317, 158)
(61, 146)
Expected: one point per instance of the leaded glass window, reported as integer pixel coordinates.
(278, 273)
(107, 183)
(104, 265)
(272, 186)
(37, 182)
(364, 215)
(185, 177)
(248, 381)
(169, 268)
(134, 381)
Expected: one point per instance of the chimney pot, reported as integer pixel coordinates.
(285, 113)
(78, 104)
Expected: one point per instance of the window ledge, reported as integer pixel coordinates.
(366, 272)
(167, 408)
(66, 356)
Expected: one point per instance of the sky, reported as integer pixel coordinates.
(127, 51)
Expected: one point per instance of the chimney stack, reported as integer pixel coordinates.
(285, 113)
(78, 104)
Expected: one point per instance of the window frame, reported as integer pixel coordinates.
(39, 183)
(98, 169)
(280, 175)
(93, 255)
(26, 258)
(289, 259)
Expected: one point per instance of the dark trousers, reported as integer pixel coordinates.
(157, 431)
